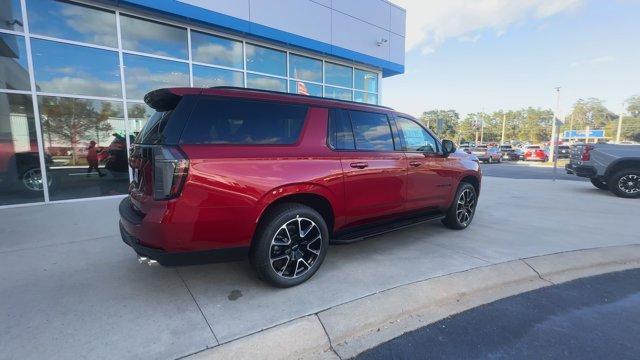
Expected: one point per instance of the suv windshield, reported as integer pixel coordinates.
(152, 132)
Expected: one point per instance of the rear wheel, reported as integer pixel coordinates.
(460, 214)
(599, 184)
(625, 183)
(290, 245)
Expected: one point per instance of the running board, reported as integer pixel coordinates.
(363, 232)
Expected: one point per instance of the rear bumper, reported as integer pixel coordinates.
(581, 170)
(132, 223)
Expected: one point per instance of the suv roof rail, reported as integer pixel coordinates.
(299, 95)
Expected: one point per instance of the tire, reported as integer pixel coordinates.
(625, 183)
(276, 243)
(30, 181)
(452, 220)
(599, 184)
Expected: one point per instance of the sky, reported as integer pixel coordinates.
(487, 55)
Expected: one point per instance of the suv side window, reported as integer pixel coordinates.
(340, 132)
(372, 131)
(244, 122)
(415, 137)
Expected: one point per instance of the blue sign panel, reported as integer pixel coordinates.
(582, 134)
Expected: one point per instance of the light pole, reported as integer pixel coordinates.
(554, 134)
(620, 124)
(504, 123)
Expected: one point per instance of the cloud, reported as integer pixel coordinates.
(592, 61)
(432, 22)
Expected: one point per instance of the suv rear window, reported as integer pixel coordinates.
(152, 131)
(244, 122)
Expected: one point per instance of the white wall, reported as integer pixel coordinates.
(356, 25)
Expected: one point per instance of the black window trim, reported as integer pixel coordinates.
(404, 146)
(298, 141)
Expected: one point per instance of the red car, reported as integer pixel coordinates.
(535, 153)
(225, 173)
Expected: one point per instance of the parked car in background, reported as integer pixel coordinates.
(487, 154)
(535, 153)
(564, 152)
(21, 170)
(609, 167)
(507, 151)
(222, 174)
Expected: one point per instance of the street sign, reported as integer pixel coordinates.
(582, 134)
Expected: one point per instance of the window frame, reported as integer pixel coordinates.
(404, 145)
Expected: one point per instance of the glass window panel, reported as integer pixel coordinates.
(366, 80)
(338, 75)
(265, 60)
(364, 97)
(73, 69)
(304, 68)
(85, 140)
(337, 93)
(138, 114)
(20, 176)
(266, 83)
(143, 74)
(153, 38)
(11, 15)
(216, 50)
(14, 71)
(372, 131)
(415, 137)
(204, 76)
(303, 88)
(71, 21)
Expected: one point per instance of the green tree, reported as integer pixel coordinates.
(591, 112)
(633, 106)
(443, 122)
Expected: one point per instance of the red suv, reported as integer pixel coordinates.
(225, 173)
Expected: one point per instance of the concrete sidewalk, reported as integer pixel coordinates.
(69, 289)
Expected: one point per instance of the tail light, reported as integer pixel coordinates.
(586, 156)
(170, 170)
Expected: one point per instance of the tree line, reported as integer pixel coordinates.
(534, 124)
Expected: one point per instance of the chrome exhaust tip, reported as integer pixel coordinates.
(152, 263)
(143, 260)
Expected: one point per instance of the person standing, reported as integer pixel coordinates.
(92, 159)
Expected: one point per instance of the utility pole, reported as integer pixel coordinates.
(571, 128)
(504, 124)
(481, 131)
(586, 134)
(620, 124)
(554, 134)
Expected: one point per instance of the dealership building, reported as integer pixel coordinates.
(74, 74)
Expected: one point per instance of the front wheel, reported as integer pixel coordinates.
(625, 183)
(461, 212)
(290, 245)
(599, 184)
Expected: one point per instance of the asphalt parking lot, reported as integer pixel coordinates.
(590, 318)
(70, 288)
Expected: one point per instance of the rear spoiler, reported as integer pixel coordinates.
(167, 99)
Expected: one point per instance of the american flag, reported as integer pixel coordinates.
(302, 88)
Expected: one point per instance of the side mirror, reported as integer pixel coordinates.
(448, 147)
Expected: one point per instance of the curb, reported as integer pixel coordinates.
(348, 329)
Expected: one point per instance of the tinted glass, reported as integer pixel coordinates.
(365, 80)
(303, 88)
(14, 71)
(138, 115)
(152, 132)
(143, 74)
(305, 68)
(85, 140)
(338, 75)
(337, 93)
(11, 15)
(415, 137)
(265, 60)
(216, 121)
(20, 176)
(340, 133)
(152, 37)
(72, 22)
(365, 97)
(73, 69)
(266, 83)
(204, 76)
(372, 131)
(216, 50)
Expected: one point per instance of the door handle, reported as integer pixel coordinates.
(415, 163)
(359, 165)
